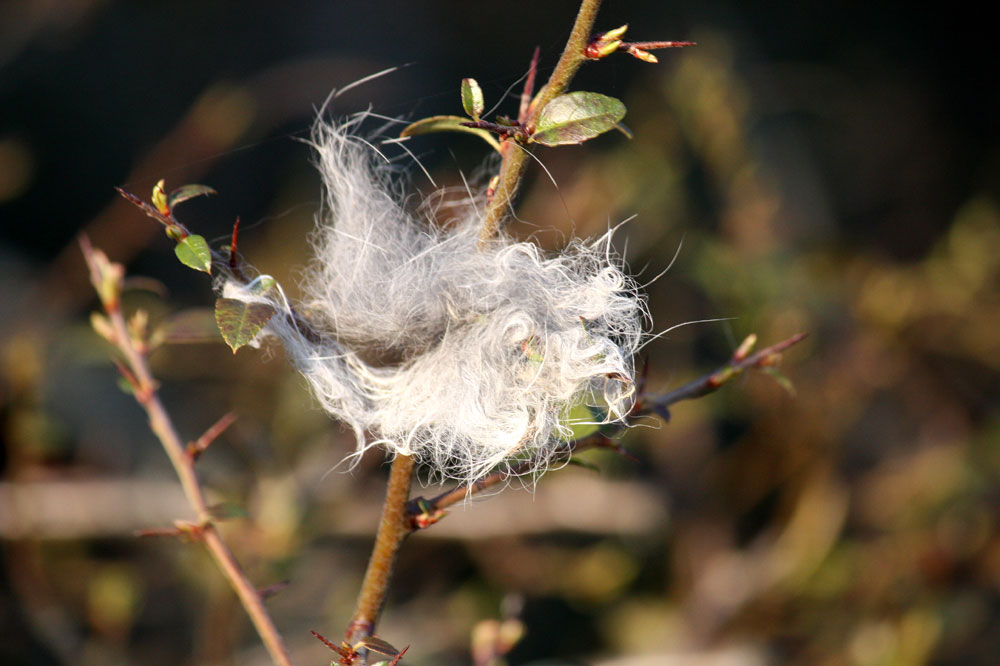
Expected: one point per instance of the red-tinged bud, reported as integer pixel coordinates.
(745, 347)
(427, 516)
(645, 56)
(604, 44)
(607, 48)
(600, 49)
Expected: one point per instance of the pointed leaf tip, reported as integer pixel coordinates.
(239, 322)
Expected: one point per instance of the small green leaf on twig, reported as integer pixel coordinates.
(186, 192)
(448, 124)
(194, 253)
(783, 381)
(262, 284)
(577, 117)
(472, 98)
(240, 322)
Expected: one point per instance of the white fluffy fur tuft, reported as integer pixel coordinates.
(488, 347)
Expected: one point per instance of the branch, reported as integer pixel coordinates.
(514, 161)
(425, 512)
(393, 528)
(396, 520)
(107, 280)
(740, 361)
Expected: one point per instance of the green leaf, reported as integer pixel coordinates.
(262, 284)
(581, 420)
(472, 98)
(194, 253)
(240, 322)
(577, 117)
(448, 124)
(185, 192)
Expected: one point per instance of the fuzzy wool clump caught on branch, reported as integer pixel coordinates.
(489, 345)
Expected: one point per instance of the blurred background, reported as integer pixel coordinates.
(814, 169)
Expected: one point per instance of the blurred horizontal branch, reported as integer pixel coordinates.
(572, 500)
(78, 509)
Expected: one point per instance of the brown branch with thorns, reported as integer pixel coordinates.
(128, 338)
(514, 161)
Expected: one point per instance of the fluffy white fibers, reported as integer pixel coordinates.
(483, 348)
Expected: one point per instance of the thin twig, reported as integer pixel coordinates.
(514, 161)
(393, 528)
(108, 287)
(200, 445)
(425, 512)
(712, 381)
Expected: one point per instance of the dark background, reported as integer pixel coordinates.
(830, 168)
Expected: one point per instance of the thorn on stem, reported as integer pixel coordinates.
(197, 447)
(233, 260)
(271, 590)
(529, 89)
(339, 649)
